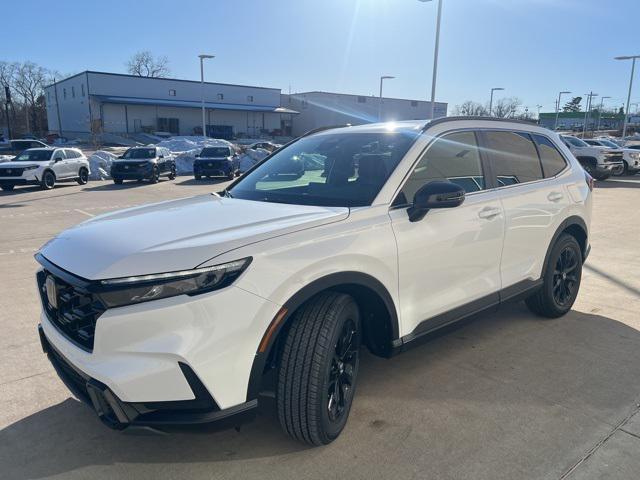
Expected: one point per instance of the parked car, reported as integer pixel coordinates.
(269, 146)
(184, 311)
(144, 163)
(44, 167)
(216, 162)
(630, 157)
(599, 162)
(16, 147)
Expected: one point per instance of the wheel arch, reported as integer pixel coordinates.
(380, 319)
(44, 172)
(577, 228)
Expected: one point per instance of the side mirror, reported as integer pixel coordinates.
(437, 194)
(121, 157)
(197, 155)
(57, 159)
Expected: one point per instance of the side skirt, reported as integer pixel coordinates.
(515, 292)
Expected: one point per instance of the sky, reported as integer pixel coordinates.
(532, 48)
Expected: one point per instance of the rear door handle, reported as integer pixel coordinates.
(555, 196)
(489, 212)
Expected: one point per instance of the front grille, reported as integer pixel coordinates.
(11, 172)
(129, 167)
(212, 164)
(76, 312)
(613, 157)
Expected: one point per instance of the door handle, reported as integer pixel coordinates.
(555, 196)
(489, 212)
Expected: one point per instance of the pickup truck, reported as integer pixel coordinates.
(15, 147)
(599, 162)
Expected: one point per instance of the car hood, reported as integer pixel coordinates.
(21, 164)
(176, 235)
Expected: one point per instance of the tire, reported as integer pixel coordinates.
(231, 175)
(172, 174)
(320, 357)
(155, 176)
(561, 281)
(83, 176)
(601, 176)
(198, 177)
(589, 167)
(8, 188)
(625, 169)
(117, 181)
(48, 180)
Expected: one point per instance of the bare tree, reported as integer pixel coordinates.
(30, 80)
(506, 107)
(144, 64)
(470, 109)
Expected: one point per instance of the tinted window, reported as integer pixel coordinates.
(552, 161)
(331, 169)
(214, 152)
(514, 157)
(71, 154)
(454, 158)
(34, 156)
(140, 153)
(576, 142)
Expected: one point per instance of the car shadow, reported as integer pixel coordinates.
(123, 186)
(204, 181)
(620, 182)
(502, 376)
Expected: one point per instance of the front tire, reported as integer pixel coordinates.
(48, 180)
(318, 368)
(7, 188)
(172, 174)
(155, 176)
(83, 176)
(561, 281)
(117, 181)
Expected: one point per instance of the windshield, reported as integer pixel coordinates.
(576, 142)
(339, 169)
(214, 152)
(608, 143)
(140, 153)
(34, 156)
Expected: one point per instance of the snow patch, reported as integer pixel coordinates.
(100, 165)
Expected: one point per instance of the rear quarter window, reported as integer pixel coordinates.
(552, 160)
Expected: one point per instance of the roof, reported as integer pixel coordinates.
(191, 104)
(579, 115)
(358, 95)
(158, 78)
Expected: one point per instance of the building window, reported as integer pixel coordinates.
(73, 92)
(82, 89)
(414, 103)
(362, 99)
(64, 93)
(249, 98)
(220, 96)
(172, 92)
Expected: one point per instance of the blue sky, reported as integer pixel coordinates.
(533, 48)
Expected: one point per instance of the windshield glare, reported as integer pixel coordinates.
(339, 169)
(215, 152)
(34, 156)
(140, 153)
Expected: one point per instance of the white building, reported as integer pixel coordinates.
(99, 102)
(318, 109)
(126, 104)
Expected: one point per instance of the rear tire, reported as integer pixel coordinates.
(155, 176)
(172, 174)
(8, 188)
(83, 176)
(318, 368)
(561, 281)
(48, 180)
(117, 181)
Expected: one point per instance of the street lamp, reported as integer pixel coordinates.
(633, 68)
(382, 78)
(538, 107)
(600, 111)
(202, 57)
(555, 125)
(587, 112)
(435, 57)
(495, 89)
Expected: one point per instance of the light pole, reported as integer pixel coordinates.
(202, 57)
(555, 125)
(495, 89)
(600, 111)
(587, 111)
(382, 78)
(435, 57)
(633, 68)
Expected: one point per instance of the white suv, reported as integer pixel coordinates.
(44, 167)
(372, 235)
(598, 161)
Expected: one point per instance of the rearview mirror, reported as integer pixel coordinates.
(437, 194)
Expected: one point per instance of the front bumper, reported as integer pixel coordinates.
(24, 179)
(609, 168)
(213, 168)
(116, 414)
(132, 171)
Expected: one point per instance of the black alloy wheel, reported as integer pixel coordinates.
(565, 276)
(341, 375)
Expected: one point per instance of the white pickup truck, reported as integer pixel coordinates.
(630, 156)
(599, 162)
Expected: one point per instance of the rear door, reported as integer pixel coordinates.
(448, 261)
(60, 164)
(533, 205)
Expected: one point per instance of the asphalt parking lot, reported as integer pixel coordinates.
(505, 396)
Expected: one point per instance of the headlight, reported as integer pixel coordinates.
(30, 167)
(117, 292)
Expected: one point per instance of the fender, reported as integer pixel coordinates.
(568, 222)
(304, 294)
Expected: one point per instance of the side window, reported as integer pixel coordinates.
(454, 158)
(59, 154)
(513, 157)
(552, 160)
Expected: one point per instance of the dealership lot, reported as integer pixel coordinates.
(507, 395)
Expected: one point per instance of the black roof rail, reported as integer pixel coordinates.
(437, 121)
(322, 129)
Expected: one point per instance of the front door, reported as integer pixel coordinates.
(449, 262)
